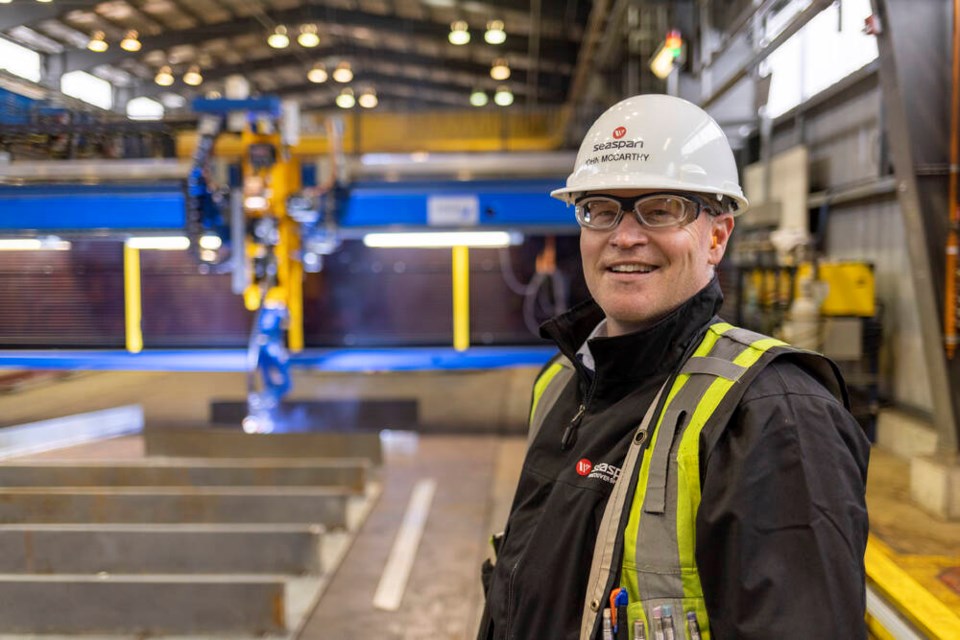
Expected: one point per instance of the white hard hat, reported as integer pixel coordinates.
(655, 142)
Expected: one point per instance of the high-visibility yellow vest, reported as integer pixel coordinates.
(658, 565)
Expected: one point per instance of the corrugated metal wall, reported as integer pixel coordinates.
(363, 297)
(843, 136)
(874, 232)
(62, 298)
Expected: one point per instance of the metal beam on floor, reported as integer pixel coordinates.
(313, 472)
(160, 549)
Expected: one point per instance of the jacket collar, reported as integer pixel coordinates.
(642, 353)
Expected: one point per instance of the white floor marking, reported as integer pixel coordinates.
(889, 618)
(393, 582)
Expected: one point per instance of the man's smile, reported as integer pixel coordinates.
(631, 267)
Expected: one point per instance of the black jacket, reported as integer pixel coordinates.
(782, 525)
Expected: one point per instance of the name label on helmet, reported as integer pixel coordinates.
(618, 144)
(619, 157)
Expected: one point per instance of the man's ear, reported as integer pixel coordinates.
(720, 229)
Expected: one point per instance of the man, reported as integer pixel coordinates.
(682, 475)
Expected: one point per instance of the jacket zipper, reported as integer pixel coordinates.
(570, 432)
(566, 441)
(510, 584)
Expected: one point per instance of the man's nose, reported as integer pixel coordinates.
(629, 232)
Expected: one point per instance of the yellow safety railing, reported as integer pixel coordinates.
(911, 599)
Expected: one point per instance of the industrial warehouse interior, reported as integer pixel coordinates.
(273, 275)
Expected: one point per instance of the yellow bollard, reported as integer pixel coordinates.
(461, 298)
(131, 298)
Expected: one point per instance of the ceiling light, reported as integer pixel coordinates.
(500, 69)
(435, 239)
(479, 98)
(193, 77)
(131, 41)
(279, 38)
(308, 36)
(368, 99)
(164, 76)
(211, 242)
(44, 1)
(51, 243)
(346, 100)
(255, 203)
(168, 243)
(98, 42)
(495, 33)
(172, 101)
(343, 73)
(317, 74)
(459, 33)
(503, 97)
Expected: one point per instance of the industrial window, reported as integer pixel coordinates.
(144, 108)
(88, 88)
(19, 60)
(826, 50)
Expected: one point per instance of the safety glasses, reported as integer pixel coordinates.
(655, 210)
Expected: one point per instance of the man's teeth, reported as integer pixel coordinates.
(632, 268)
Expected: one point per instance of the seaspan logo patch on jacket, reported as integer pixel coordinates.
(603, 471)
(606, 472)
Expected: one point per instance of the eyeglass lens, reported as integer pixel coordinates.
(605, 212)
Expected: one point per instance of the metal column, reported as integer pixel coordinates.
(914, 47)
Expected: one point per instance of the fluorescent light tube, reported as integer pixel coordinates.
(167, 243)
(33, 244)
(211, 243)
(436, 239)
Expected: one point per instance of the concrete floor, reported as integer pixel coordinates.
(924, 546)
(475, 476)
(443, 597)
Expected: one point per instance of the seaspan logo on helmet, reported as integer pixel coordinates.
(584, 466)
(619, 132)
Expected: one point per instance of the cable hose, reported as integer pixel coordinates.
(531, 292)
(529, 303)
(506, 269)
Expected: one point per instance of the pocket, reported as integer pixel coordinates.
(679, 619)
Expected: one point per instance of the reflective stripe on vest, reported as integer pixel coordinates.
(559, 372)
(658, 565)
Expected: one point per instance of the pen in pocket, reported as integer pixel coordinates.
(618, 611)
(607, 625)
(639, 633)
(693, 626)
(657, 625)
(668, 631)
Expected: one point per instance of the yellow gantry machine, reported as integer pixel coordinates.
(270, 216)
(271, 177)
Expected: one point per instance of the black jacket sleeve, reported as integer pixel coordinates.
(782, 525)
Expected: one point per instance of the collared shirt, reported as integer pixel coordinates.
(584, 354)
